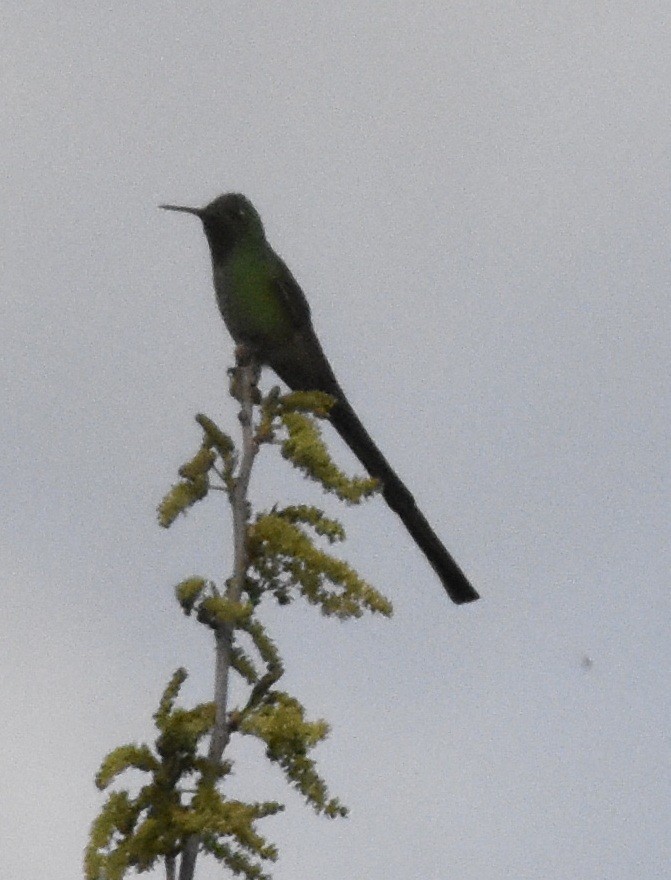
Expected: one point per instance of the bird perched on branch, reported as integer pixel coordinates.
(266, 311)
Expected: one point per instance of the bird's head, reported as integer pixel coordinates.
(227, 220)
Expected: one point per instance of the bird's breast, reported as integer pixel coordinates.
(252, 311)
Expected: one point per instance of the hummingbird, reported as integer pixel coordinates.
(266, 312)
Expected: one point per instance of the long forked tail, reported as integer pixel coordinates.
(401, 501)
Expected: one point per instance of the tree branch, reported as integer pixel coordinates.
(245, 378)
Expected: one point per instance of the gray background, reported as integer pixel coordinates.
(475, 198)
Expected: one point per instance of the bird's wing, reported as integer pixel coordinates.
(302, 363)
(293, 298)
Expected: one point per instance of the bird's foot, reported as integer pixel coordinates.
(245, 373)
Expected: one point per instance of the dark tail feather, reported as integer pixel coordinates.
(401, 501)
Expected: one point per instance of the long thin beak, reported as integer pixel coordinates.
(197, 211)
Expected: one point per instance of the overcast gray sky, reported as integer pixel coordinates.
(475, 198)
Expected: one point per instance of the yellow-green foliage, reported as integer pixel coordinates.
(218, 610)
(217, 448)
(180, 498)
(294, 414)
(284, 556)
(303, 446)
(263, 643)
(279, 721)
(193, 486)
(318, 403)
(181, 798)
(216, 438)
(244, 665)
(181, 795)
(188, 591)
(306, 450)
